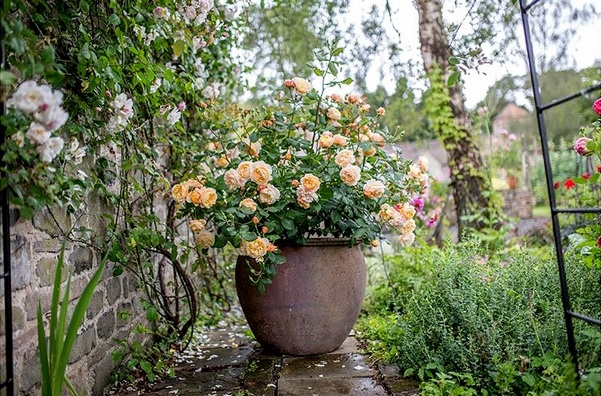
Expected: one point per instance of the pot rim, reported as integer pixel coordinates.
(320, 241)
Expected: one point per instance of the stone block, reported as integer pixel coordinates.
(96, 303)
(85, 341)
(19, 318)
(81, 259)
(54, 223)
(102, 373)
(52, 245)
(330, 387)
(20, 263)
(113, 289)
(106, 325)
(30, 373)
(46, 269)
(41, 296)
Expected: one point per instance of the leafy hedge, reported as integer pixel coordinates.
(498, 321)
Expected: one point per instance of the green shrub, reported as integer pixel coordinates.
(470, 313)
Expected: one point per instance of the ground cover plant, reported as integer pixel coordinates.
(466, 323)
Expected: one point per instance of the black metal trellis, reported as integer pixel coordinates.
(569, 314)
(8, 383)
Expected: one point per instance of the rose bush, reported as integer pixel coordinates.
(314, 165)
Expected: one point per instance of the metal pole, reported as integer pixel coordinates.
(549, 176)
(8, 317)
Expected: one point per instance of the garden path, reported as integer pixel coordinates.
(226, 362)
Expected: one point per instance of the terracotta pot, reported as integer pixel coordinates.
(313, 302)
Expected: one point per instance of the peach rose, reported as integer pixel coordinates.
(208, 197)
(350, 175)
(340, 140)
(334, 114)
(407, 211)
(232, 179)
(194, 196)
(373, 189)
(344, 158)
(179, 192)
(381, 111)
(405, 240)
(244, 170)
(310, 182)
(353, 98)
(325, 140)
(370, 152)
(197, 225)
(221, 162)
(408, 228)
(301, 86)
(423, 163)
(257, 248)
(304, 197)
(248, 203)
(375, 243)
(253, 148)
(365, 108)
(204, 238)
(261, 173)
(269, 195)
(192, 184)
(377, 139)
(414, 171)
(336, 98)
(386, 212)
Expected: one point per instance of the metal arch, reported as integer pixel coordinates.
(8, 383)
(569, 314)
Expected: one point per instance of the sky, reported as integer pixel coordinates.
(476, 83)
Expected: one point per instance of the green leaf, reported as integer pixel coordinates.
(152, 315)
(288, 224)
(47, 55)
(347, 81)
(44, 364)
(26, 212)
(453, 78)
(114, 20)
(337, 51)
(220, 241)
(178, 47)
(529, 379)
(453, 60)
(146, 366)
(318, 72)
(7, 78)
(333, 69)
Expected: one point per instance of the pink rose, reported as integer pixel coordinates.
(597, 106)
(580, 146)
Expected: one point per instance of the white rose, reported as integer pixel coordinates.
(37, 133)
(49, 150)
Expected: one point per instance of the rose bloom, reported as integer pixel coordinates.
(269, 195)
(378, 139)
(353, 98)
(49, 150)
(221, 162)
(580, 146)
(373, 189)
(253, 148)
(365, 108)
(417, 203)
(599, 239)
(304, 197)
(334, 114)
(340, 140)
(336, 98)
(261, 173)
(569, 183)
(232, 179)
(37, 133)
(204, 238)
(405, 240)
(423, 163)
(301, 86)
(248, 203)
(408, 227)
(179, 192)
(597, 106)
(350, 175)
(381, 111)
(386, 212)
(370, 152)
(310, 182)
(197, 225)
(344, 158)
(257, 248)
(414, 171)
(375, 243)
(208, 197)
(244, 170)
(325, 140)
(407, 211)
(192, 184)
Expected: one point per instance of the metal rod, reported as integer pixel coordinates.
(8, 317)
(570, 97)
(529, 6)
(576, 210)
(586, 318)
(550, 191)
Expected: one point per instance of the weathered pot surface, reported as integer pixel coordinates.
(313, 302)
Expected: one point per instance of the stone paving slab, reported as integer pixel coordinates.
(330, 365)
(330, 387)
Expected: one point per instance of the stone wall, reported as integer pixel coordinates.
(35, 246)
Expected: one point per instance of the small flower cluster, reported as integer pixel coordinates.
(44, 105)
(312, 166)
(121, 111)
(589, 142)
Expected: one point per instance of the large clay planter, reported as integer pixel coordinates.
(314, 299)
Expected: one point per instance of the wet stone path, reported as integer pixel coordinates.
(227, 363)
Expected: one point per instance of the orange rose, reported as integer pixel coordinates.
(310, 182)
(208, 197)
(232, 179)
(381, 111)
(340, 140)
(269, 194)
(261, 173)
(248, 203)
(257, 248)
(373, 189)
(197, 225)
(244, 170)
(301, 86)
(344, 158)
(325, 140)
(407, 211)
(334, 114)
(179, 192)
(204, 238)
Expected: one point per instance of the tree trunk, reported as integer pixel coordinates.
(468, 180)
